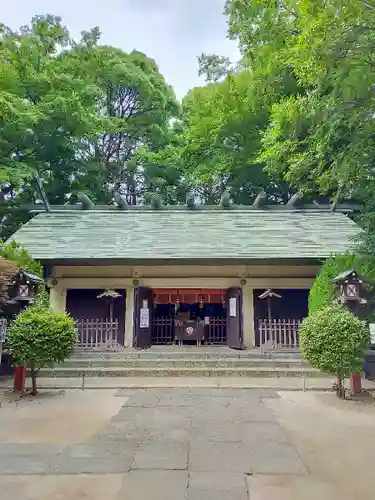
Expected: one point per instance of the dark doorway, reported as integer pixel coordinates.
(292, 304)
(83, 304)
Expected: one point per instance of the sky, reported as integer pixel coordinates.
(173, 32)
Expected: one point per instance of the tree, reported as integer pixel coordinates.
(136, 105)
(321, 139)
(214, 67)
(44, 110)
(221, 139)
(75, 113)
(334, 340)
(41, 336)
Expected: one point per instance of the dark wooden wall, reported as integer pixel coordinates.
(293, 304)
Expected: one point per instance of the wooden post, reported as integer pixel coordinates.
(19, 379)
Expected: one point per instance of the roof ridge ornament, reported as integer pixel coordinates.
(87, 204)
(225, 199)
(295, 199)
(190, 201)
(156, 202)
(120, 201)
(260, 200)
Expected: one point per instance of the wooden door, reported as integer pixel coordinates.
(142, 317)
(234, 318)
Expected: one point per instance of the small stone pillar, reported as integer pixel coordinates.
(19, 379)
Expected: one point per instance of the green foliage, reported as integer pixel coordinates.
(323, 291)
(214, 67)
(334, 340)
(16, 253)
(41, 336)
(76, 113)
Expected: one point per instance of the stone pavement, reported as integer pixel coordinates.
(170, 444)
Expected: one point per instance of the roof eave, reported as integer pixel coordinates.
(184, 261)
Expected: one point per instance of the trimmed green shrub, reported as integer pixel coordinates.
(323, 291)
(41, 336)
(334, 340)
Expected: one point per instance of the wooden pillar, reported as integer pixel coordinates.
(57, 298)
(248, 316)
(129, 317)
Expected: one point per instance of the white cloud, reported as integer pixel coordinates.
(173, 32)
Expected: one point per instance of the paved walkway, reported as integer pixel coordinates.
(186, 444)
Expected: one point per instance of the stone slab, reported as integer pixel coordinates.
(275, 458)
(154, 485)
(218, 457)
(216, 495)
(112, 464)
(23, 464)
(166, 454)
(269, 487)
(29, 449)
(217, 481)
(77, 487)
(247, 433)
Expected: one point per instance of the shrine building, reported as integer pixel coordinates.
(137, 276)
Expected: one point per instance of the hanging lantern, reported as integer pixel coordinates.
(177, 306)
(155, 300)
(223, 303)
(201, 302)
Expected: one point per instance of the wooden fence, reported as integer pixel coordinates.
(217, 331)
(97, 333)
(279, 333)
(162, 331)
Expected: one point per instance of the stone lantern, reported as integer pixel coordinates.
(24, 286)
(350, 288)
(349, 292)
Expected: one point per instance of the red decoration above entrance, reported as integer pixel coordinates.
(189, 296)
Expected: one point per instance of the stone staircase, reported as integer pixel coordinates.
(180, 362)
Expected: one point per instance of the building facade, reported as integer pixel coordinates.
(138, 277)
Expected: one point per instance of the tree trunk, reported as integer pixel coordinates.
(340, 391)
(33, 374)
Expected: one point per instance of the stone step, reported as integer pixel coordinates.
(71, 372)
(183, 363)
(186, 353)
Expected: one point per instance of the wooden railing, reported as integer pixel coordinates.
(276, 333)
(217, 331)
(97, 333)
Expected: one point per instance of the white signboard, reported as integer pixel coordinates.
(3, 329)
(372, 332)
(233, 307)
(145, 304)
(145, 318)
(206, 320)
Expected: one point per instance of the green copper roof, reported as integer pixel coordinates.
(196, 234)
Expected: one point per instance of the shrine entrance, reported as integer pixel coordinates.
(188, 316)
